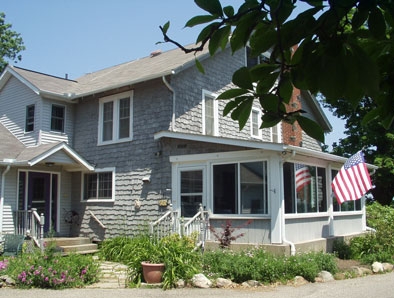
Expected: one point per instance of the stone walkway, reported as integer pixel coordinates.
(112, 276)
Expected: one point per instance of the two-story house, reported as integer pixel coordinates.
(118, 147)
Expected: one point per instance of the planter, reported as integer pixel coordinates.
(152, 273)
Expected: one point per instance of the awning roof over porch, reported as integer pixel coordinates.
(13, 152)
(276, 147)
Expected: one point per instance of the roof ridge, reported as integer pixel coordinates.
(44, 74)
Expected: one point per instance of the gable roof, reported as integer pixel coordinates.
(129, 73)
(13, 152)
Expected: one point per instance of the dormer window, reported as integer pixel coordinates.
(29, 125)
(57, 118)
(209, 114)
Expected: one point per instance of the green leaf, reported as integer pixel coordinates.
(198, 20)
(269, 102)
(231, 105)
(311, 128)
(228, 11)
(242, 112)
(212, 6)
(285, 88)
(199, 66)
(260, 71)
(242, 78)
(269, 120)
(219, 39)
(377, 24)
(207, 31)
(166, 26)
(232, 93)
(266, 83)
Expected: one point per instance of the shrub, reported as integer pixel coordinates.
(51, 270)
(379, 245)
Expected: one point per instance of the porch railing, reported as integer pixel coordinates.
(31, 224)
(170, 223)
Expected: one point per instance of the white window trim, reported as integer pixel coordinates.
(96, 171)
(259, 132)
(115, 128)
(215, 111)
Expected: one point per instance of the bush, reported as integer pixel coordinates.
(256, 264)
(379, 245)
(50, 269)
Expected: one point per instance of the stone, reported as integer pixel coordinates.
(201, 281)
(325, 276)
(223, 283)
(299, 281)
(388, 267)
(253, 283)
(377, 267)
(180, 284)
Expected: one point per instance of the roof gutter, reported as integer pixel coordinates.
(173, 101)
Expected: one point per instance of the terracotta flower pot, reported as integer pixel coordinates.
(152, 273)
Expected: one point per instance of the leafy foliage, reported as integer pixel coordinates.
(177, 253)
(11, 43)
(345, 52)
(256, 264)
(378, 144)
(50, 269)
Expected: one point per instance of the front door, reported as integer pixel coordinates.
(42, 195)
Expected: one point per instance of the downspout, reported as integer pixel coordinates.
(2, 196)
(284, 239)
(173, 101)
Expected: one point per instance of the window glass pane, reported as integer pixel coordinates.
(209, 115)
(253, 188)
(124, 118)
(225, 190)
(107, 120)
(90, 186)
(255, 123)
(335, 204)
(321, 190)
(105, 185)
(289, 187)
(275, 136)
(29, 118)
(191, 192)
(57, 118)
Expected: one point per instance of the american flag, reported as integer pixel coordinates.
(352, 181)
(302, 176)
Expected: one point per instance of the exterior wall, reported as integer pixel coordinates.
(14, 97)
(10, 194)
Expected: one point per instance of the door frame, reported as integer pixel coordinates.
(53, 198)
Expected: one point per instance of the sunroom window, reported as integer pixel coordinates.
(240, 188)
(304, 188)
(345, 206)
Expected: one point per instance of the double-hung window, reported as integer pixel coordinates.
(116, 118)
(209, 113)
(98, 186)
(57, 118)
(29, 125)
(255, 123)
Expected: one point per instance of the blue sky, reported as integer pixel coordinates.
(76, 37)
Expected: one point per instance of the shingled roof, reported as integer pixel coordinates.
(144, 69)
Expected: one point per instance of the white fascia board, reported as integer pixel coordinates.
(9, 71)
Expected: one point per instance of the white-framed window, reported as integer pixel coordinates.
(276, 133)
(209, 114)
(345, 206)
(240, 188)
(99, 186)
(116, 118)
(58, 116)
(29, 124)
(191, 191)
(304, 188)
(255, 123)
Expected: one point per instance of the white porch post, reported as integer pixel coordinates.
(275, 191)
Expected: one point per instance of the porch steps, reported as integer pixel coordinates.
(80, 245)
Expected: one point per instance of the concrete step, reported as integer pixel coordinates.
(67, 241)
(80, 245)
(112, 276)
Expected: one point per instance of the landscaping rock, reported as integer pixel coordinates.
(180, 284)
(201, 281)
(299, 281)
(223, 283)
(324, 276)
(377, 267)
(6, 281)
(388, 267)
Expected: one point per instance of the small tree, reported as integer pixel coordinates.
(227, 234)
(11, 43)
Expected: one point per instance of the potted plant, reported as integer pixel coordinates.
(148, 259)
